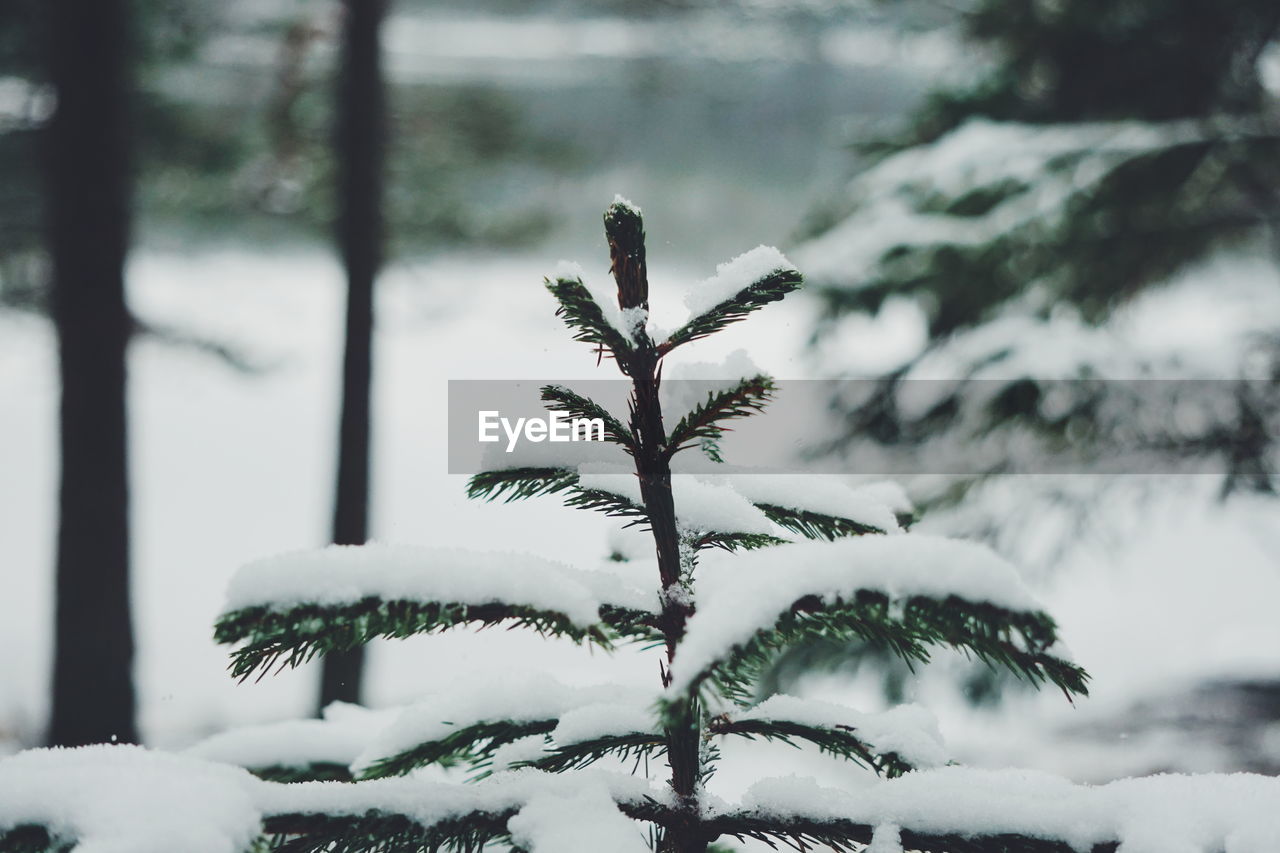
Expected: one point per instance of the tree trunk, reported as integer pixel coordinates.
(360, 146)
(88, 175)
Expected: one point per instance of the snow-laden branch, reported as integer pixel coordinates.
(903, 738)
(113, 799)
(748, 282)
(299, 750)
(959, 809)
(292, 607)
(469, 723)
(908, 592)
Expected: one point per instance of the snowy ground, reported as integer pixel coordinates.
(229, 467)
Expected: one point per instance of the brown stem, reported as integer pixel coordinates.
(683, 735)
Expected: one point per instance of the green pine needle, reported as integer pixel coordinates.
(814, 525)
(770, 288)
(581, 314)
(512, 484)
(748, 397)
(290, 637)
(562, 399)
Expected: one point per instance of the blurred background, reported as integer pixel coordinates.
(1013, 191)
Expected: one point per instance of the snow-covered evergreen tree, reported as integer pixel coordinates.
(717, 619)
(729, 590)
(1111, 151)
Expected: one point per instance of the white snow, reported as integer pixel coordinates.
(733, 277)
(873, 505)
(428, 802)
(603, 293)
(338, 738)
(514, 697)
(982, 153)
(740, 594)
(585, 820)
(126, 799)
(589, 722)
(909, 730)
(346, 574)
(700, 507)
(1157, 814)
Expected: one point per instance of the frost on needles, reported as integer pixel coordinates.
(744, 567)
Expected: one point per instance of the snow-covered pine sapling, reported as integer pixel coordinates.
(732, 589)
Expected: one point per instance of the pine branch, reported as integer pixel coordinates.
(30, 838)
(383, 832)
(847, 836)
(581, 314)
(472, 744)
(840, 741)
(565, 400)
(294, 636)
(615, 506)
(732, 542)
(386, 832)
(574, 756)
(759, 293)
(814, 525)
(747, 398)
(319, 771)
(634, 625)
(518, 483)
(1015, 640)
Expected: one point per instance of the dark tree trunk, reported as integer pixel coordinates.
(88, 173)
(360, 146)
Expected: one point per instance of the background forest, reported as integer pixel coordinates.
(1007, 191)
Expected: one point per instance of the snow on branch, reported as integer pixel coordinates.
(298, 750)
(903, 738)
(701, 508)
(291, 607)
(701, 426)
(821, 507)
(905, 592)
(512, 484)
(413, 814)
(588, 318)
(467, 726)
(964, 809)
(748, 282)
(562, 399)
(112, 799)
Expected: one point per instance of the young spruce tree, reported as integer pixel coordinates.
(718, 618)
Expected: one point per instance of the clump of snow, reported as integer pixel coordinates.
(345, 574)
(519, 698)
(873, 505)
(733, 277)
(700, 506)
(633, 321)
(520, 750)
(429, 802)
(885, 838)
(962, 161)
(741, 594)
(126, 799)
(627, 203)
(908, 730)
(585, 820)
(1156, 814)
(603, 294)
(601, 719)
(338, 738)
